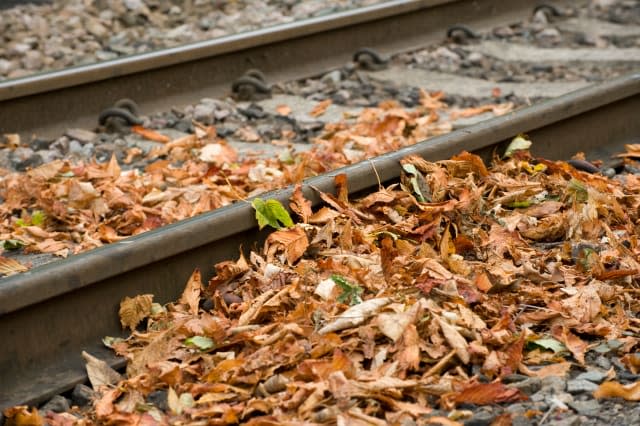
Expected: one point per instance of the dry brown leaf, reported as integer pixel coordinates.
(23, 416)
(320, 108)
(300, 205)
(355, 315)
(488, 393)
(152, 135)
(191, 294)
(630, 392)
(11, 266)
(135, 309)
(292, 241)
(99, 372)
(455, 340)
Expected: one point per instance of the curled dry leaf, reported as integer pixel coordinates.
(135, 309)
(355, 315)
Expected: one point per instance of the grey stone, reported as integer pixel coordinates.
(482, 418)
(517, 408)
(57, 404)
(32, 60)
(81, 135)
(592, 375)
(554, 384)
(586, 408)
(49, 155)
(528, 386)
(603, 362)
(334, 77)
(6, 66)
(567, 421)
(203, 113)
(82, 395)
(159, 399)
(579, 385)
(522, 421)
(75, 147)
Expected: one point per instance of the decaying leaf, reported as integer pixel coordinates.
(10, 266)
(135, 309)
(99, 372)
(191, 294)
(355, 315)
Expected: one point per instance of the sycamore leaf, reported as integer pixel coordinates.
(22, 416)
(293, 241)
(519, 143)
(133, 310)
(201, 342)
(271, 212)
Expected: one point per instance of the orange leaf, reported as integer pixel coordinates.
(152, 135)
(294, 241)
(22, 416)
(488, 393)
(576, 346)
(320, 108)
(630, 392)
(300, 205)
(283, 109)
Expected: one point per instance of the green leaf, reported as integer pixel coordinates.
(415, 186)
(271, 212)
(550, 344)
(519, 143)
(109, 341)
(12, 244)
(201, 342)
(21, 223)
(38, 217)
(350, 292)
(579, 190)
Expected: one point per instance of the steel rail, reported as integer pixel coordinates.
(51, 313)
(48, 103)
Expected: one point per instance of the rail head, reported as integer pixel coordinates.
(68, 275)
(84, 74)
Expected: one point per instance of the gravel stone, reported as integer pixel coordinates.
(81, 135)
(57, 404)
(580, 385)
(522, 421)
(586, 408)
(553, 384)
(603, 362)
(82, 395)
(482, 418)
(591, 375)
(159, 399)
(528, 386)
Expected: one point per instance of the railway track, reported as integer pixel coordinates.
(44, 341)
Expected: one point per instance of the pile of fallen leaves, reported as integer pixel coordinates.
(64, 208)
(423, 294)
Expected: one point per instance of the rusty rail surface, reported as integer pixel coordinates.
(50, 314)
(48, 103)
